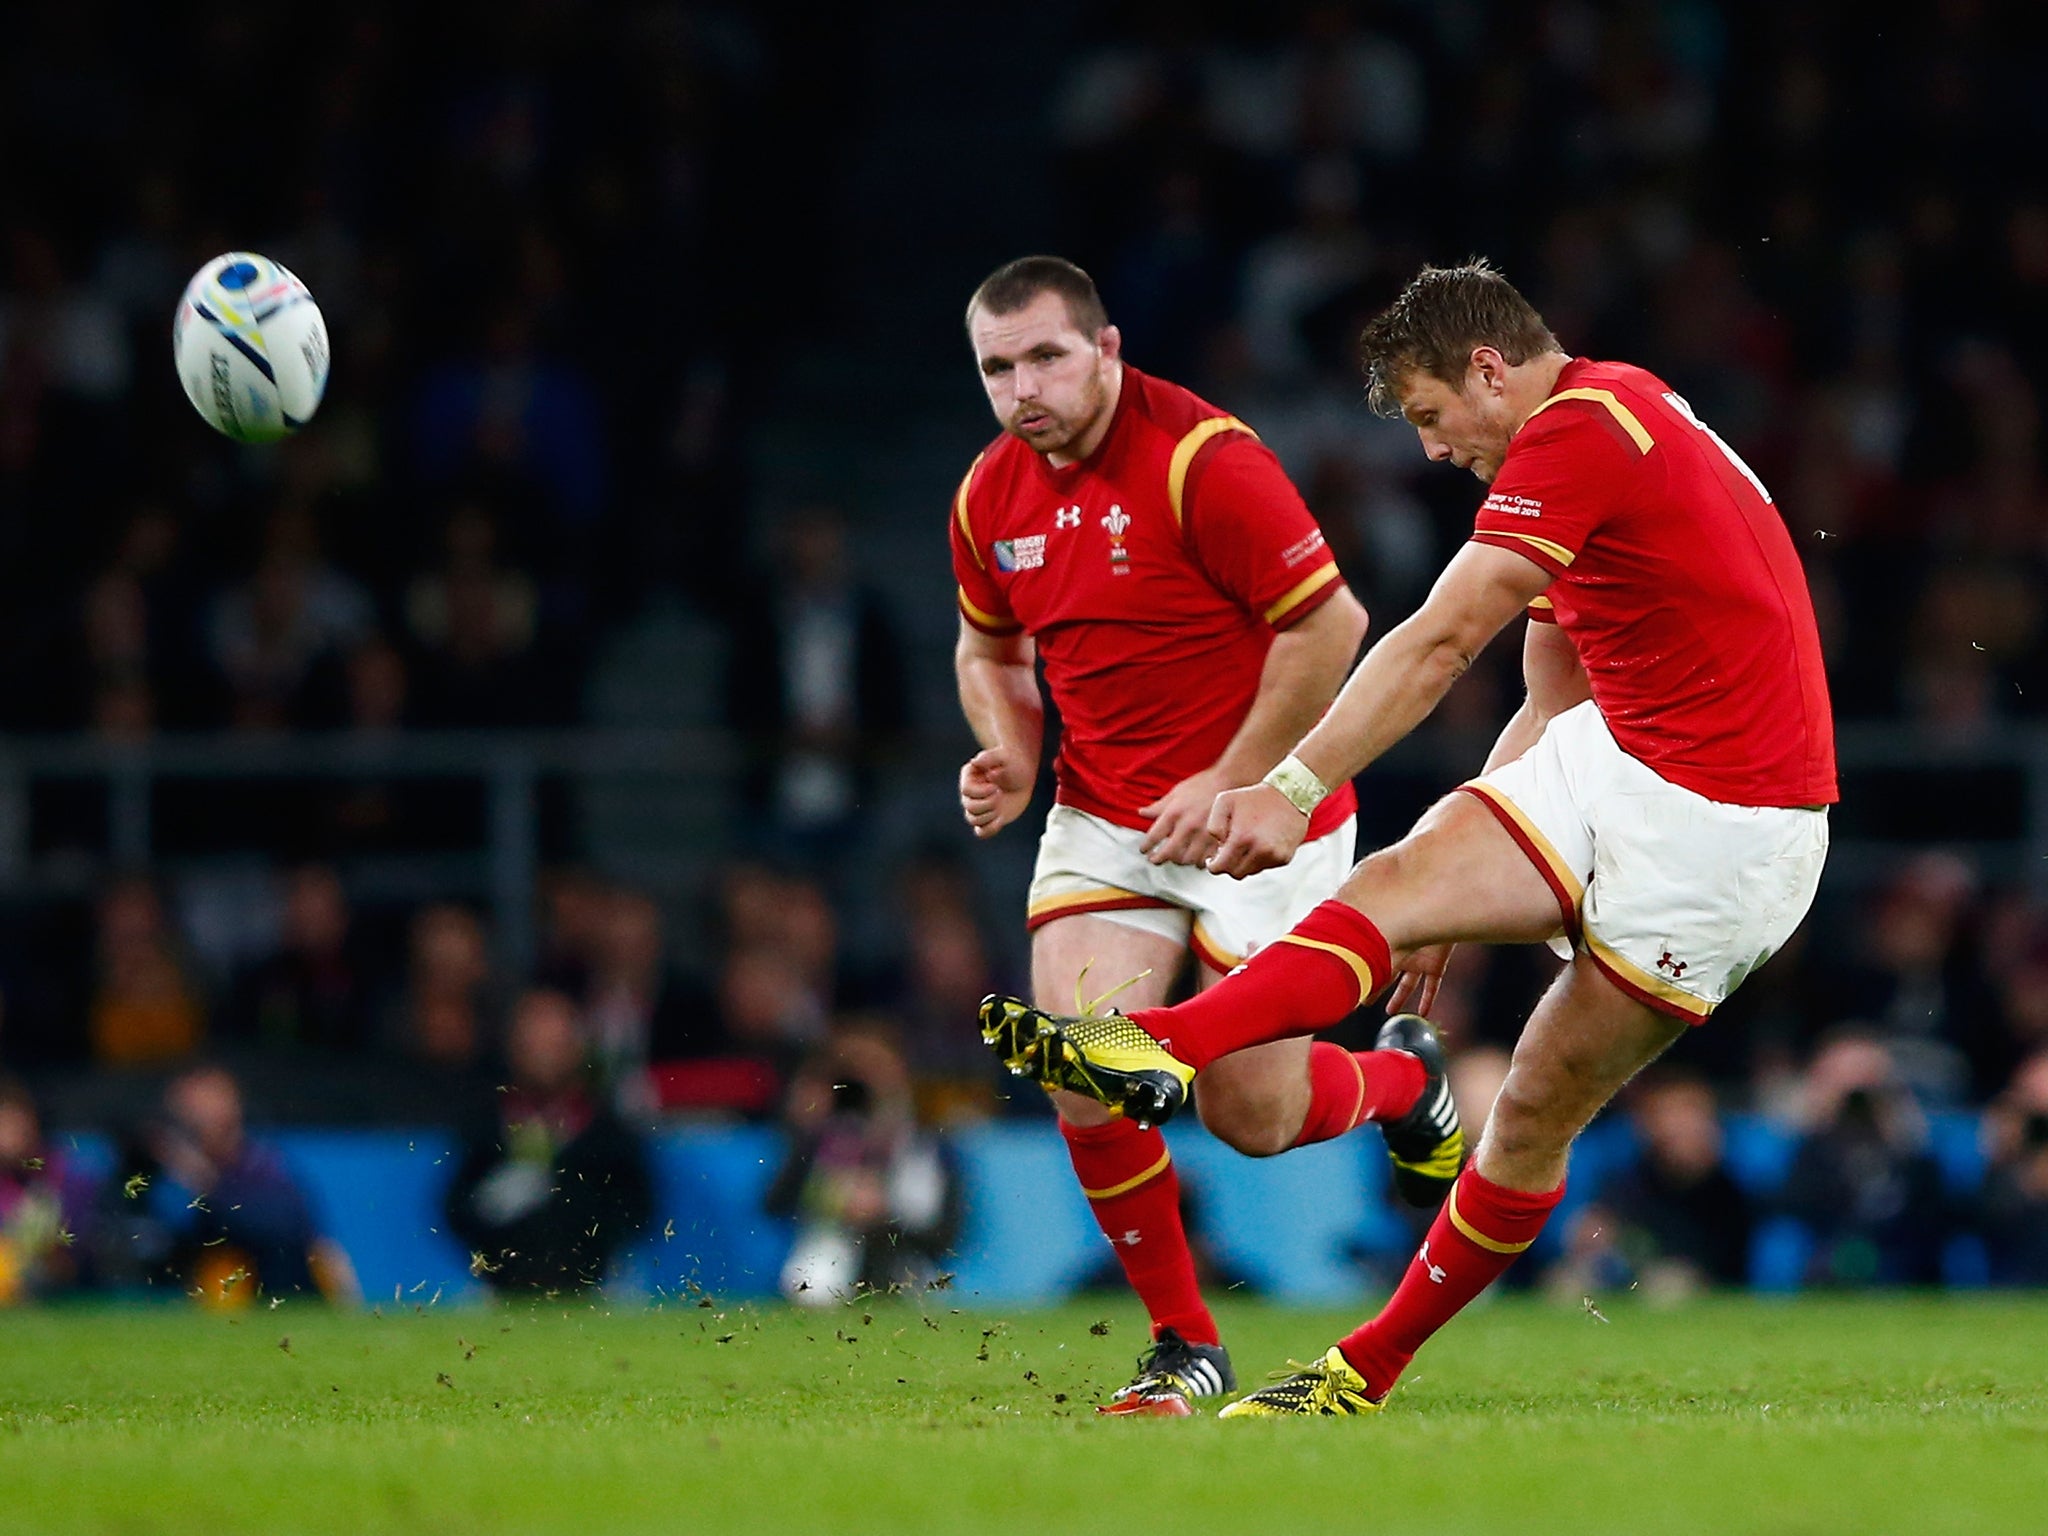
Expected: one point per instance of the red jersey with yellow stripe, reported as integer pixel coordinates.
(1153, 576)
(1677, 583)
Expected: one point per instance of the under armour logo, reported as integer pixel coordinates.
(1066, 517)
(1131, 1238)
(1666, 963)
(1436, 1271)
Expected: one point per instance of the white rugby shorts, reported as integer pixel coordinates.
(1089, 865)
(1675, 896)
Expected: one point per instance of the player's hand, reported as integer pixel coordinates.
(995, 786)
(1421, 973)
(1256, 828)
(1179, 833)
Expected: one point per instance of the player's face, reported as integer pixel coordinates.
(1469, 427)
(1047, 381)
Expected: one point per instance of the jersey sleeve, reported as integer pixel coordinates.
(1252, 534)
(981, 601)
(1567, 472)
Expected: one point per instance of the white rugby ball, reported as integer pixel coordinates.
(251, 348)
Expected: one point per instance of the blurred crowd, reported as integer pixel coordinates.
(563, 292)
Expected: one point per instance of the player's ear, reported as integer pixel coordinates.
(1111, 341)
(1488, 369)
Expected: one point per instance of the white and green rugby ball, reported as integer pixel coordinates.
(251, 348)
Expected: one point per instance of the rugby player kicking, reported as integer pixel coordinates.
(1149, 550)
(1656, 810)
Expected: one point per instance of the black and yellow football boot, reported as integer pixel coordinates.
(1172, 1374)
(1426, 1145)
(1104, 1057)
(1328, 1389)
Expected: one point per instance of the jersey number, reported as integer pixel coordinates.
(1677, 403)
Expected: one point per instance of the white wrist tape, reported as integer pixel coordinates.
(1294, 779)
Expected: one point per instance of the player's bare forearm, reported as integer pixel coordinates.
(999, 695)
(1305, 666)
(1404, 677)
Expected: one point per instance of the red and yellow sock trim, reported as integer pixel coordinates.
(1646, 987)
(1359, 968)
(1562, 879)
(1133, 1182)
(1473, 1235)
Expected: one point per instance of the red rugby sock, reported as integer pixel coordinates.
(1333, 962)
(1348, 1088)
(1127, 1175)
(1480, 1231)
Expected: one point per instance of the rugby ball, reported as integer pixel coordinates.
(251, 348)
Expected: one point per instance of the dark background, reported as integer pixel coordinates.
(646, 327)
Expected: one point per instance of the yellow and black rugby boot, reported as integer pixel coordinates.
(1104, 1057)
(1427, 1145)
(1171, 1375)
(1328, 1389)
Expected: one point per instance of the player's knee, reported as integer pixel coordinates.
(1251, 1123)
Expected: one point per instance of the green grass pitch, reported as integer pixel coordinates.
(1919, 1414)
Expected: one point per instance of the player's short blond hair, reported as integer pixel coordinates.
(1015, 284)
(1441, 315)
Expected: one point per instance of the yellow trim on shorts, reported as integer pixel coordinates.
(1093, 893)
(1165, 1161)
(1649, 981)
(1352, 958)
(1473, 1234)
(1200, 939)
(1621, 413)
(1184, 458)
(1558, 867)
(1301, 592)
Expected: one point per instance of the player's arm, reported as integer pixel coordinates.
(998, 682)
(1396, 686)
(1555, 682)
(1305, 665)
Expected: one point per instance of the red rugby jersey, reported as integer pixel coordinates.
(1677, 583)
(1153, 576)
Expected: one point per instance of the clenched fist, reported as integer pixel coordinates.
(1255, 828)
(995, 786)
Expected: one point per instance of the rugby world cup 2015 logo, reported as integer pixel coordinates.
(1117, 520)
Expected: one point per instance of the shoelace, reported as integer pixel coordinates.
(1091, 1011)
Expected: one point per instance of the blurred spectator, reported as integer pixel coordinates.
(279, 638)
(311, 994)
(44, 1204)
(574, 907)
(551, 1185)
(1862, 1179)
(944, 971)
(1674, 1220)
(1913, 980)
(241, 1224)
(637, 1014)
(817, 681)
(2015, 1201)
(145, 1009)
(473, 619)
(876, 1198)
(439, 1024)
